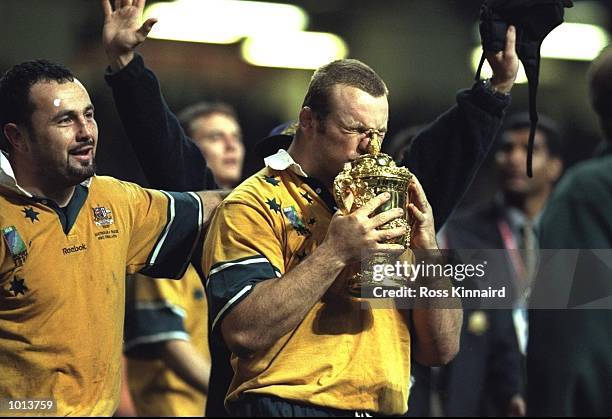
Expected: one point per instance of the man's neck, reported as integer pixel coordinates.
(309, 163)
(531, 205)
(44, 187)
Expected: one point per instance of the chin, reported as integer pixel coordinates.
(81, 173)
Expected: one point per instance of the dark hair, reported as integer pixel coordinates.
(348, 72)
(600, 83)
(203, 109)
(550, 129)
(15, 84)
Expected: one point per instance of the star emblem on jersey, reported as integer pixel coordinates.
(271, 180)
(311, 221)
(31, 214)
(273, 205)
(306, 197)
(18, 286)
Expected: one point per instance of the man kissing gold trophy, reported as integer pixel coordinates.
(361, 180)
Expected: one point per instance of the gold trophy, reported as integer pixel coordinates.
(366, 177)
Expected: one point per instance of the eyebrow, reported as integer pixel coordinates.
(71, 112)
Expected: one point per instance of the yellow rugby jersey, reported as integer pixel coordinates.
(341, 356)
(158, 310)
(62, 284)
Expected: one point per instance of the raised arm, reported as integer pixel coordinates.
(168, 157)
(446, 155)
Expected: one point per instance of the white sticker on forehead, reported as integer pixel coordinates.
(57, 102)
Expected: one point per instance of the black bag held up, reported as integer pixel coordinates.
(534, 20)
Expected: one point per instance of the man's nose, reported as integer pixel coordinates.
(86, 129)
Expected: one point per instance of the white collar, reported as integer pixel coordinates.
(283, 161)
(8, 181)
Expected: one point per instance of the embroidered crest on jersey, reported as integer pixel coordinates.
(15, 244)
(296, 221)
(103, 217)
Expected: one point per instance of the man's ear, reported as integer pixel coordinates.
(307, 118)
(16, 137)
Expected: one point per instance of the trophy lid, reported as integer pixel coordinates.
(376, 164)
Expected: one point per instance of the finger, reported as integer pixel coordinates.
(418, 196)
(373, 203)
(140, 4)
(108, 9)
(384, 217)
(383, 236)
(146, 28)
(117, 4)
(416, 214)
(126, 3)
(510, 48)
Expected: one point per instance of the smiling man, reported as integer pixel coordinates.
(68, 238)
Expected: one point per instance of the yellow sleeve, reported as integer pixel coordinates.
(166, 227)
(243, 247)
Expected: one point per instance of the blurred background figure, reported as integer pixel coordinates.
(168, 364)
(487, 376)
(215, 129)
(569, 362)
(166, 344)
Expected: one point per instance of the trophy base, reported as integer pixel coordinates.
(360, 288)
(379, 270)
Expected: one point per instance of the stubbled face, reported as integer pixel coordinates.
(346, 132)
(511, 158)
(219, 138)
(63, 135)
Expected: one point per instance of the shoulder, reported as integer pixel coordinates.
(259, 189)
(585, 178)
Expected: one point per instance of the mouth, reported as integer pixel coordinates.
(83, 153)
(230, 162)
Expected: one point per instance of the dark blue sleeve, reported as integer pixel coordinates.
(169, 158)
(446, 154)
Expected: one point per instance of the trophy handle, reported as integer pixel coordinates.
(343, 193)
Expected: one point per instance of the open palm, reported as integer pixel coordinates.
(123, 30)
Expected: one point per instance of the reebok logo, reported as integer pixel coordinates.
(74, 249)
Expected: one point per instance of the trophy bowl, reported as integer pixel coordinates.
(366, 177)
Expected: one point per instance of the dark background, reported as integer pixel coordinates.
(420, 47)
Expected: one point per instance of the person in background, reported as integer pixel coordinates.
(166, 339)
(569, 364)
(487, 376)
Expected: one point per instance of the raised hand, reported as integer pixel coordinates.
(123, 30)
(505, 63)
